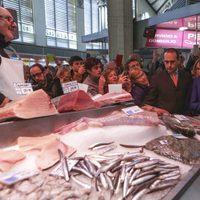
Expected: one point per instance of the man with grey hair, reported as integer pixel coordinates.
(10, 70)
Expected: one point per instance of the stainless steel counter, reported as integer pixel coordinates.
(10, 131)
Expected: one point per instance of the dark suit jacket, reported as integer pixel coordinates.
(164, 94)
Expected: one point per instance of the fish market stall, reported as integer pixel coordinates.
(87, 142)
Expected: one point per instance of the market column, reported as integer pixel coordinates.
(120, 28)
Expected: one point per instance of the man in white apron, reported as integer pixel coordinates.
(11, 71)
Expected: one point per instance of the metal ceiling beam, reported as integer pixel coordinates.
(151, 6)
(175, 14)
(162, 6)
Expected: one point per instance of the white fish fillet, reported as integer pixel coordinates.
(35, 104)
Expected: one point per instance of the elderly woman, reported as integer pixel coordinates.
(109, 76)
(140, 86)
(196, 69)
(194, 103)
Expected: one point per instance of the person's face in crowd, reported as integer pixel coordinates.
(65, 76)
(197, 69)
(37, 75)
(133, 67)
(112, 65)
(81, 69)
(171, 62)
(76, 65)
(142, 79)
(7, 25)
(58, 62)
(112, 77)
(95, 71)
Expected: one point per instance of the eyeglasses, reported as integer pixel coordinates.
(8, 18)
(37, 74)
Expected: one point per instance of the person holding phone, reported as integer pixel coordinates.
(109, 76)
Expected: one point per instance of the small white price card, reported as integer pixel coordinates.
(115, 87)
(9, 178)
(70, 87)
(132, 110)
(83, 87)
(23, 88)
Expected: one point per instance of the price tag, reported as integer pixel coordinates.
(23, 88)
(70, 87)
(9, 178)
(132, 110)
(115, 87)
(83, 87)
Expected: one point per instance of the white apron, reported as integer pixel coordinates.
(11, 71)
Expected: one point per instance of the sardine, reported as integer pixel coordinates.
(109, 166)
(142, 179)
(82, 171)
(81, 183)
(134, 175)
(125, 185)
(146, 173)
(131, 146)
(90, 166)
(103, 180)
(140, 194)
(147, 168)
(64, 165)
(171, 174)
(162, 186)
(146, 163)
(93, 146)
(110, 182)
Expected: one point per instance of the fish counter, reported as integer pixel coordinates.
(112, 157)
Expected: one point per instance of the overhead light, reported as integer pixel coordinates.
(183, 28)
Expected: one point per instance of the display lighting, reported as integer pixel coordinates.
(183, 28)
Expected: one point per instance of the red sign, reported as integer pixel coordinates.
(165, 38)
(192, 22)
(171, 24)
(190, 38)
(174, 38)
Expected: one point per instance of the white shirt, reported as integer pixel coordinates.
(11, 71)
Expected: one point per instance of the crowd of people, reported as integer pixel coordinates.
(164, 86)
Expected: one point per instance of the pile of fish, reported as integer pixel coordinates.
(43, 187)
(122, 175)
(183, 150)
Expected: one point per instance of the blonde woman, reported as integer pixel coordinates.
(109, 76)
(196, 69)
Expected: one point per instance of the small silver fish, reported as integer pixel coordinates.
(142, 179)
(93, 146)
(81, 183)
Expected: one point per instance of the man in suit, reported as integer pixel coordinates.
(168, 88)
